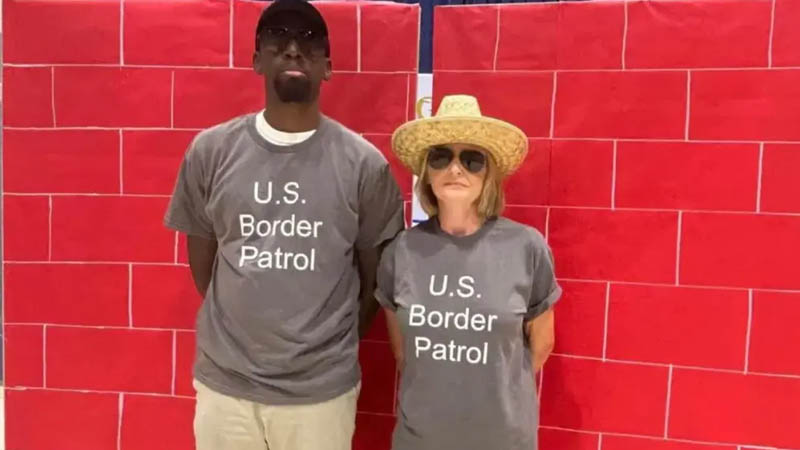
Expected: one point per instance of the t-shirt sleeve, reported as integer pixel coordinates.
(545, 291)
(186, 210)
(380, 209)
(384, 291)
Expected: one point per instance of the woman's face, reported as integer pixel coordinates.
(457, 173)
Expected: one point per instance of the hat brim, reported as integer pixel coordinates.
(507, 144)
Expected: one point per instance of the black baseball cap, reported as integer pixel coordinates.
(270, 16)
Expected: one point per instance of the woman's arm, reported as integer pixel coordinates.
(541, 336)
(395, 337)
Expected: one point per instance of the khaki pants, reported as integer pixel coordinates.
(227, 423)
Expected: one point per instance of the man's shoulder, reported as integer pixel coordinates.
(212, 138)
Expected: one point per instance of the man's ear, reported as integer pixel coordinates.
(257, 62)
(328, 70)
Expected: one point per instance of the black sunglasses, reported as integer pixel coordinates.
(472, 160)
(306, 39)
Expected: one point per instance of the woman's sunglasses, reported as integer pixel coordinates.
(472, 160)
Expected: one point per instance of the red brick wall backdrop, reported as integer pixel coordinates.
(101, 99)
(666, 153)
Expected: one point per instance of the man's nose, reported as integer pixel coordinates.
(292, 50)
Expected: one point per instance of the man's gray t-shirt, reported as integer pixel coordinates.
(279, 323)
(462, 303)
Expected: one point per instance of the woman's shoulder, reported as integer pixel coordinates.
(510, 228)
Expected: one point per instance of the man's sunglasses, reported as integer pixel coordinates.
(307, 39)
(472, 160)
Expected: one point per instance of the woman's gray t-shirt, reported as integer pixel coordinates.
(462, 303)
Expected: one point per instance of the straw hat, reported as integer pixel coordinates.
(459, 121)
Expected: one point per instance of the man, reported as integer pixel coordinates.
(286, 212)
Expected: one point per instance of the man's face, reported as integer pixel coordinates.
(292, 57)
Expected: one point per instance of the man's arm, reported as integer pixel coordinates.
(541, 336)
(367, 266)
(201, 261)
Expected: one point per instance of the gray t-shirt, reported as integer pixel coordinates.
(462, 303)
(279, 321)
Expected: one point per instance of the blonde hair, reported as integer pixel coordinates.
(491, 202)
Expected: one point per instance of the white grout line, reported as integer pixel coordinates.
(678, 251)
(358, 37)
(688, 102)
(104, 327)
(44, 356)
(547, 225)
(121, 176)
(600, 441)
(614, 179)
(496, 40)
(49, 228)
(771, 34)
(121, 32)
(93, 128)
(177, 240)
(625, 37)
(52, 94)
(109, 263)
(669, 400)
(130, 295)
(174, 353)
(230, 36)
(760, 176)
(83, 194)
(408, 99)
(119, 424)
(172, 102)
(749, 331)
(605, 324)
(553, 105)
(94, 391)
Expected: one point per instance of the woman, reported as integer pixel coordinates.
(468, 294)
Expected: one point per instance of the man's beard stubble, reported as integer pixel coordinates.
(293, 90)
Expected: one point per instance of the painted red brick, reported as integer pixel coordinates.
(24, 360)
(207, 97)
(737, 250)
(157, 423)
(612, 442)
(592, 395)
(378, 380)
(532, 93)
(551, 33)
(342, 27)
(786, 38)
(87, 294)
(775, 319)
(125, 229)
(378, 331)
(184, 361)
(457, 45)
(614, 245)
(580, 319)
(109, 359)
(389, 37)
(164, 297)
(151, 160)
(581, 173)
(698, 34)
(360, 109)
(677, 325)
(112, 97)
(28, 96)
(730, 407)
(75, 420)
(780, 186)
(402, 175)
(85, 32)
(200, 38)
(373, 432)
(554, 439)
(745, 105)
(530, 184)
(183, 255)
(683, 175)
(621, 104)
(71, 161)
(26, 228)
(535, 216)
